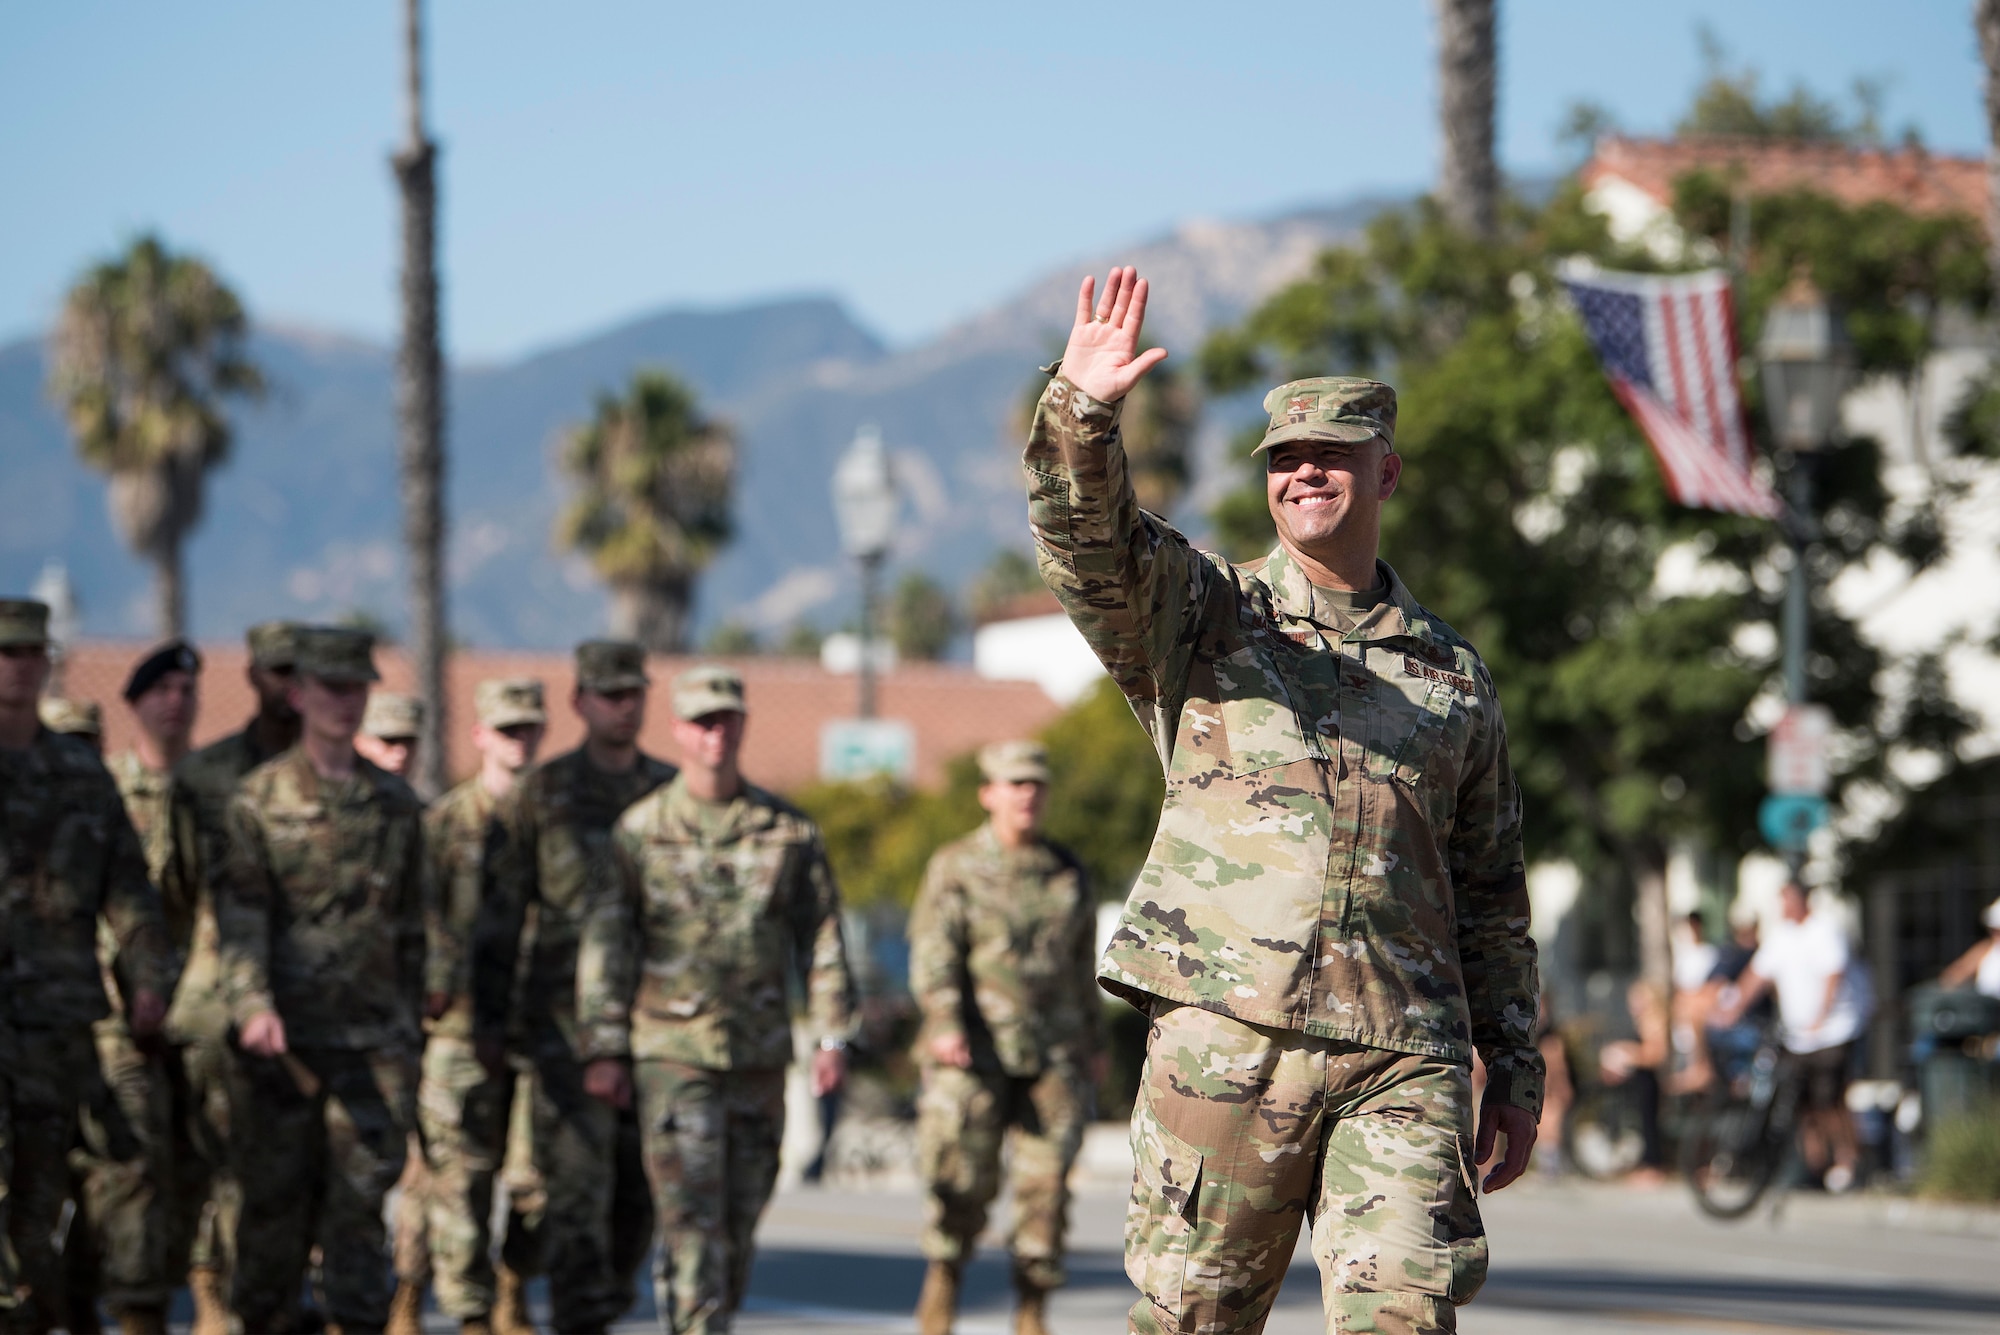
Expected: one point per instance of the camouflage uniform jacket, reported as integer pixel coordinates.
(321, 904)
(147, 794)
(550, 831)
(68, 859)
(704, 919)
(1003, 950)
(1339, 850)
(457, 829)
(203, 785)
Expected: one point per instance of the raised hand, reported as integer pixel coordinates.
(1103, 358)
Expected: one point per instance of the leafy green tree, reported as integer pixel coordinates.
(145, 355)
(1007, 576)
(802, 640)
(654, 483)
(922, 619)
(1728, 103)
(733, 639)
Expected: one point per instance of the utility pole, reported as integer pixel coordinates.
(420, 410)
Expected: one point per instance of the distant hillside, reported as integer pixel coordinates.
(304, 520)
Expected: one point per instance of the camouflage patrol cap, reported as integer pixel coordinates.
(610, 665)
(75, 718)
(274, 645)
(708, 689)
(508, 701)
(1014, 762)
(1333, 407)
(24, 623)
(393, 716)
(336, 654)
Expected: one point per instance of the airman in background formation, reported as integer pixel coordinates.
(70, 866)
(127, 1244)
(321, 905)
(198, 1024)
(463, 1109)
(82, 719)
(1334, 914)
(548, 835)
(1003, 964)
(720, 898)
(389, 732)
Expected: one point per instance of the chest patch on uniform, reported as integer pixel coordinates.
(1452, 679)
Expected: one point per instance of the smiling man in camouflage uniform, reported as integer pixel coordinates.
(321, 905)
(70, 866)
(720, 901)
(1003, 957)
(552, 829)
(1334, 914)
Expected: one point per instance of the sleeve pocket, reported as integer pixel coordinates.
(1048, 508)
(1160, 1223)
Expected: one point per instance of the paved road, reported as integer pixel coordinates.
(1567, 1260)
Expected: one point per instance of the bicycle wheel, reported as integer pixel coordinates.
(1730, 1158)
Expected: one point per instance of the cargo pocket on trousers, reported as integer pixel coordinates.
(1160, 1223)
(1464, 1230)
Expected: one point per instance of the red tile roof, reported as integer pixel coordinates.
(1920, 181)
(952, 710)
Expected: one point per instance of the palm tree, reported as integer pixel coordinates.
(147, 349)
(655, 480)
(420, 408)
(1468, 180)
(1986, 21)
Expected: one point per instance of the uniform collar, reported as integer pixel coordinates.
(1292, 596)
(744, 814)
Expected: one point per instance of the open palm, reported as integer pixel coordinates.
(1103, 358)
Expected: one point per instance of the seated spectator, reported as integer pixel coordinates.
(1979, 967)
(1642, 1063)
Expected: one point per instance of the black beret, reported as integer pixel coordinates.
(173, 656)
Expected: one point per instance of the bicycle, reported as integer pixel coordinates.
(1746, 1138)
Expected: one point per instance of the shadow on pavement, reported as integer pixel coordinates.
(1565, 1290)
(877, 1283)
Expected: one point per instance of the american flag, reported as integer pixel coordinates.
(1668, 345)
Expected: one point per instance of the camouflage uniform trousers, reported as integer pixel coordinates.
(142, 1184)
(316, 1171)
(1241, 1132)
(9, 1270)
(712, 1140)
(597, 1220)
(56, 1075)
(468, 1121)
(207, 1187)
(963, 1120)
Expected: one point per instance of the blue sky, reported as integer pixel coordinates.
(918, 160)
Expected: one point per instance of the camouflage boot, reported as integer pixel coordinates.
(937, 1305)
(211, 1304)
(406, 1310)
(142, 1321)
(1030, 1302)
(510, 1308)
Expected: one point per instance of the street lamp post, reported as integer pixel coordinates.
(865, 505)
(1805, 364)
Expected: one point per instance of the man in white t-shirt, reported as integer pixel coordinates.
(1823, 1005)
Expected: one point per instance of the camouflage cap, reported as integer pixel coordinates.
(507, 701)
(23, 622)
(708, 689)
(336, 654)
(1333, 407)
(393, 715)
(1014, 762)
(610, 665)
(274, 645)
(77, 718)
